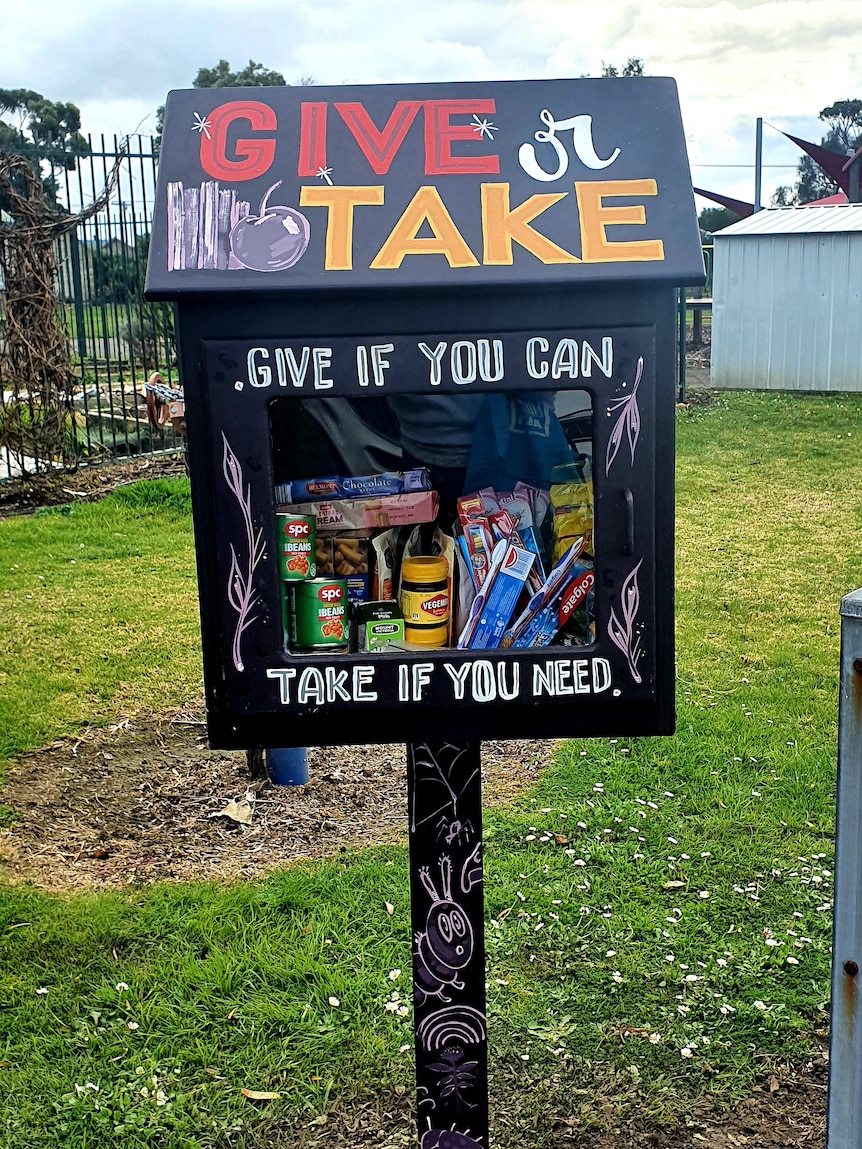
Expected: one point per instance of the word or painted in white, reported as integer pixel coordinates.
(479, 680)
(561, 676)
(582, 141)
(319, 687)
(462, 363)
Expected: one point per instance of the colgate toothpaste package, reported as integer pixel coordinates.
(546, 600)
(547, 623)
(494, 605)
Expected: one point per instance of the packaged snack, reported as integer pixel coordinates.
(387, 483)
(378, 626)
(335, 487)
(367, 514)
(388, 548)
(351, 561)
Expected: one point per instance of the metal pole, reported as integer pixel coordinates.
(444, 795)
(758, 163)
(681, 349)
(844, 1127)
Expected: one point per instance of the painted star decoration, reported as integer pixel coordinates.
(202, 125)
(324, 174)
(485, 127)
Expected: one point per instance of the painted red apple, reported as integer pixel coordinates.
(272, 240)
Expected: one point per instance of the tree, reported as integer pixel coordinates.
(844, 136)
(634, 66)
(713, 219)
(45, 132)
(253, 75)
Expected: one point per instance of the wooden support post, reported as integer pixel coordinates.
(444, 793)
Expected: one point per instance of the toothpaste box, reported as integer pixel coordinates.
(550, 620)
(496, 602)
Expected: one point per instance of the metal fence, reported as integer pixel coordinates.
(115, 339)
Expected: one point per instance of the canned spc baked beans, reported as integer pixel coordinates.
(318, 614)
(295, 534)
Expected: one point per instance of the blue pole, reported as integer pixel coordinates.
(288, 766)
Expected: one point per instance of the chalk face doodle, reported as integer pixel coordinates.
(446, 945)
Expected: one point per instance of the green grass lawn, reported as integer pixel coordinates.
(659, 910)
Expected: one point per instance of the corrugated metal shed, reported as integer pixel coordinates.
(787, 300)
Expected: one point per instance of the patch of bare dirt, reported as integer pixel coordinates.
(787, 1110)
(20, 496)
(140, 801)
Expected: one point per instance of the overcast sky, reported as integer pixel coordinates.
(734, 60)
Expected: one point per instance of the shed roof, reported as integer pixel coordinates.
(802, 220)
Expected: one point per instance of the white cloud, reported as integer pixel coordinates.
(733, 60)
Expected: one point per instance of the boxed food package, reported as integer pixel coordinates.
(369, 513)
(347, 556)
(352, 486)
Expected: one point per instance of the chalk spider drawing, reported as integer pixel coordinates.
(445, 946)
(440, 772)
(454, 830)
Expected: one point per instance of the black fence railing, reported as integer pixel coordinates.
(115, 339)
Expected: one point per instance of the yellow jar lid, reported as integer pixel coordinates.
(424, 568)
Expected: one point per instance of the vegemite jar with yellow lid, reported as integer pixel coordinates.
(424, 600)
